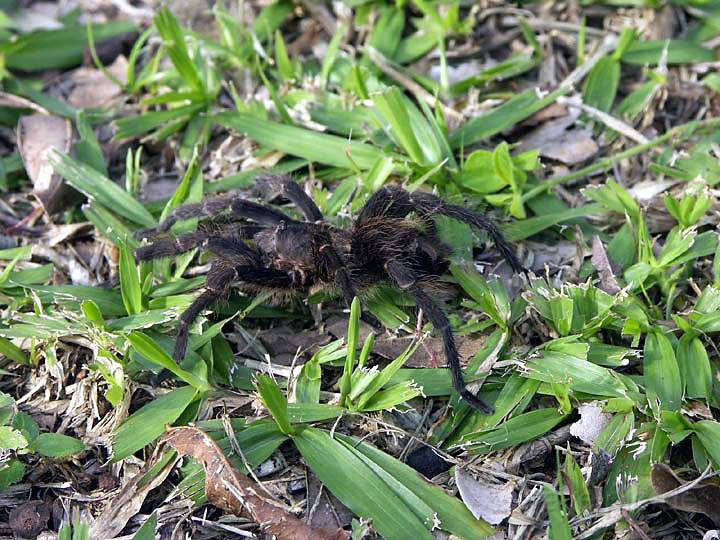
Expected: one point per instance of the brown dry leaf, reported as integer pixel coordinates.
(283, 343)
(324, 509)
(702, 498)
(491, 502)
(128, 500)
(592, 421)
(600, 261)
(93, 90)
(229, 489)
(37, 136)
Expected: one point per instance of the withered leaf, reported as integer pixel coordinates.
(702, 498)
(232, 491)
(126, 503)
(491, 502)
(600, 261)
(37, 136)
(93, 89)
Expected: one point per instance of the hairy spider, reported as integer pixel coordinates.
(393, 240)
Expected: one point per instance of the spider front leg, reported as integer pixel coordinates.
(290, 189)
(215, 207)
(405, 278)
(231, 246)
(220, 278)
(429, 204)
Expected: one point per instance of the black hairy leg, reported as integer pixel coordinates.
(291, 190)
(406, 279)
(439, 320)
(218, 207)
(393, 241)
(232, 247)
(219, 280)
(398, 203)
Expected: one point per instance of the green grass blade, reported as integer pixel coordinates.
(100, 188)
(304, 143)
(148, 423)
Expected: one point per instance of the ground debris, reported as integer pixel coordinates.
(232, 491)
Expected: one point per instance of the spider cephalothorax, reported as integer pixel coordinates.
(258, 247)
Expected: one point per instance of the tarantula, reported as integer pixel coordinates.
(393, 240)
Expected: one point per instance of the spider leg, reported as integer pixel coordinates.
(429, 205)
(218, 284)
(330, 264)
(220, 278)
(212, 208)
(292, 191)
(405, 278)
(389, 201)
(231, 247)
(396, 202)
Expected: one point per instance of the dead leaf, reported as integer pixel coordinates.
(703, 498)
(229, 489)
(555, 139)
(573, 146)
(19, 102)
(491, 502)
(129, 499)
(93, 90)
(600, 260)
(324, 509)
(37, 136)
(592, 421)
(548, 113)
(39, 16)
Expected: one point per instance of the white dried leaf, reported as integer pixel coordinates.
(592, 421)
(491, 502)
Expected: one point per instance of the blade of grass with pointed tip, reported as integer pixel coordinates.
(517, 430)
(454, 516)
(275, 401)
(148, 423)
(661, 371)
(559, 527)
(100, 188)
(130, 281)
(301, 142)
(352, 480)
(13, 352)
(147, 347)
(501, 118)
(679, 51)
